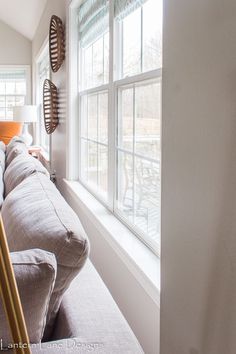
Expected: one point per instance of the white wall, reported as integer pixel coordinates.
(15, 48)
(138, 308)
(198, 297)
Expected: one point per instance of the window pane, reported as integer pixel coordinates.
(125, 121)
(147, 197)
(102, 170)
(92, 164)
(2, 101)
(2, 113)
(95, 63)
(21, 88)
(9, 113)
(84, 160)
(92, 117)
(103, 118)
(98, 62)
(20, 100)
(84, 114)
(132, 44)
(10, 88)
(87, 67)
(147, 122)
(152, 35)
(10, 101)
(125, 186)
(2, 88)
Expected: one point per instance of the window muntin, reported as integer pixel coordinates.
(124, 170)
(13, 89)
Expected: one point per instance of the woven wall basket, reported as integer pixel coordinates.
(50, 106)
(56, 43)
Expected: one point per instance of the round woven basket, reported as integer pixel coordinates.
(50, 106)
(56, 43)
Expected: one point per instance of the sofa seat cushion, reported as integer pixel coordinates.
(20, 168)
(89, 314)
(35, 272)
(36, 215)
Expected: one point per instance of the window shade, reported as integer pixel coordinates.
(8, 75)
(124, 7)
(93, 20)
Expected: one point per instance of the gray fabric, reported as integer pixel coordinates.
(35, 272)
(15, 140)
(20, 168)
(17, 149)
(35, 215)
(89, 313)
(1, 187)
(2, 146)
(2, 160)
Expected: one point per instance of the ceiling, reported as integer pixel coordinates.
(22, 15)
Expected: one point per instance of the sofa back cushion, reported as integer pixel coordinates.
(1, 187)
(36, 215)
(35, 273)
(14, 148)
(20, 168)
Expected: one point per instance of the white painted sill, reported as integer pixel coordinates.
(141, 262)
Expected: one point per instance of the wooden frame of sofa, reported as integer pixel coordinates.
(10, 298)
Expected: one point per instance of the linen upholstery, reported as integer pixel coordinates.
(36, 215)
(94, 316)
(20, 168)
(35, 272)
(2, 155)
(18, 149)
(1, 187)
(15, 140)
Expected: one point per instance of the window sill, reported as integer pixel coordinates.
(141, 262)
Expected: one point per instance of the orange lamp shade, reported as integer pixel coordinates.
(8, 130)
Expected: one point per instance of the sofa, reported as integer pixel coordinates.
(67, 306)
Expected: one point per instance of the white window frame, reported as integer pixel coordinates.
(27, 68)
(73, 171)
(38, 59)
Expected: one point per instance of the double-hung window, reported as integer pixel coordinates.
(120, 59)
(14, 89)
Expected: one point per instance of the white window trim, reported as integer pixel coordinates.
(38, 58)
(73, 131)
(140, 260)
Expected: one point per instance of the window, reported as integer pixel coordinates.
(43, 73)
(120, 59)
(14, 89)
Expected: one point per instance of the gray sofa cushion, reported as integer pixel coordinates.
(2, 160)
(15, 148)
(18, 149)
(20, 168)
(36, 215)
(1, 187)
(15, 140)
(35, 272)
(2, 146)
(89, 314)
